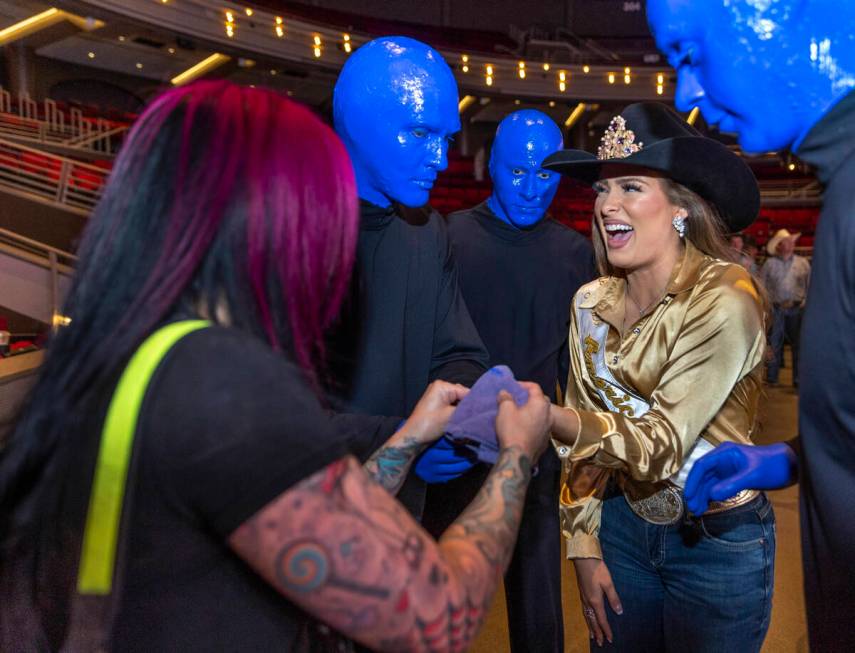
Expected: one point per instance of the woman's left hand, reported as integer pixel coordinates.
(429, 418)
(595, 588)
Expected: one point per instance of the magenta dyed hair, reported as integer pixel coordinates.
(256, 153)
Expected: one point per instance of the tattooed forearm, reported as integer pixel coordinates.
(491, 521)
(340, 547)
(389, 464)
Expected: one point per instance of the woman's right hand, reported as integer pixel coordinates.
(595, 583)
(525, 426)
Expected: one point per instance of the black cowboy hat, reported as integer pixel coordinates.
(651, 135)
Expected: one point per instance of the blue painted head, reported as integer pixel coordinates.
(522, 189)
(395, 108)
(765, 69)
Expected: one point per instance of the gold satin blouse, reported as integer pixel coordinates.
(696, 359)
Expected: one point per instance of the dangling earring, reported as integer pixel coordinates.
(679, 223)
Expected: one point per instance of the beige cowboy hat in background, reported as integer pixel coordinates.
(781, 234)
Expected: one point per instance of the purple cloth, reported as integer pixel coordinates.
(473, 424)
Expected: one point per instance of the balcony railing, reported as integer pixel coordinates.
(48, 178)
(48, 124)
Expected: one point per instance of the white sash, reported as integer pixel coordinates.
(618, 399)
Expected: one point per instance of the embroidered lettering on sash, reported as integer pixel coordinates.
(593, 347)
(615, 397)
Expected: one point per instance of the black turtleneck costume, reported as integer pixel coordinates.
(404, 325)
(518, 286)
(826, 396)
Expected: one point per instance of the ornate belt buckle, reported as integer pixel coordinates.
(663, 508)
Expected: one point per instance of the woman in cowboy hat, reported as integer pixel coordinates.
(666, 356)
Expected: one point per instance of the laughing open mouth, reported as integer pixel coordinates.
(618, 233)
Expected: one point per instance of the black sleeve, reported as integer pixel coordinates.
(458, 354)
(233, 425)
(364, 434)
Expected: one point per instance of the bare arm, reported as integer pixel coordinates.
(339, 546)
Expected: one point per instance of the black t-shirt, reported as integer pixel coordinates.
(226, 427)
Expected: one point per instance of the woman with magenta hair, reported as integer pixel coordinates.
(174, 482)
(666, 360)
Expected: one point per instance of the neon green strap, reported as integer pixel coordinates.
(101, 533)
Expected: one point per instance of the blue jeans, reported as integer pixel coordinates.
(702, 585)
(786, 324)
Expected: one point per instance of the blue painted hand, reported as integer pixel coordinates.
(767, 71)
(522, 189)
(731, 468)
(443, 462)
(395, 109)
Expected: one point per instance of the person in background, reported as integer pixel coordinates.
(405, 323)
(786, 277)
(781, 75)
(666, 354)
(519, 270)
(739, 245)
(246, 523)
(751, 251)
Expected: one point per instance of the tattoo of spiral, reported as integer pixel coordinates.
(303, 566)
(306, 566)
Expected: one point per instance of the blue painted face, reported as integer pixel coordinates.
(522, 189)
(767, 70)
(395, 108)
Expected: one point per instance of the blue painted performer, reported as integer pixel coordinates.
(781, 75)
(395, 109)
(518, 273)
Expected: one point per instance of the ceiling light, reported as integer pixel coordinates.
(465, 102)
(693, 116)
(45, 19)
(199, 69)
(574, 115)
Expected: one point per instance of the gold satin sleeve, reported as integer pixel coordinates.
(707, 370)
(580, 502)
(580, 506)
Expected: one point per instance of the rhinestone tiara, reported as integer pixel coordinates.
(618, 142)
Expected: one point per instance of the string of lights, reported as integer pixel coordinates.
(495, 71)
